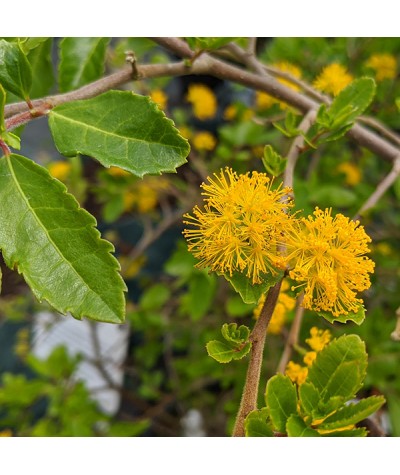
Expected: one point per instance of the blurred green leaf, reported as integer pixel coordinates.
(82, 61)
(328, 195)
(15, 70)
(235, 307)
(296, 427)
(154, 297)
(393, 403)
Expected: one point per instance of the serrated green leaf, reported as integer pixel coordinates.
(281, 400)
(339, 368)
(356, 317)
(296, 427)
(249, 292)
(11, 139)
(352, 413)
(122, 129)
(42, 68)
(256, 424)
(309, 397)
(357, 95)
(54, 244)
(15, 70)
(232, 333)
(82, 61)
(358, 432)
(337, 134)
(224, 352)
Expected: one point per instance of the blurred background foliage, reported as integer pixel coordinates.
(174, 309)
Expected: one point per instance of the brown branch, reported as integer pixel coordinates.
(381, 189)
(257, 337)
(293, 336)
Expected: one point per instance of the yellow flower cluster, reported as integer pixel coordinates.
(319, 339)
(384, 64)
(284, 305)
(144, 196)
(59, 170)
(240, 226)
(204, 141)
(264, 100)
(328, 261)
(160, 98)
(203, 101)
(352, 173)
(333, 79)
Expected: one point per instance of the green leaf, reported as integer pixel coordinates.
(82, 61)
(274, 163)
(154, 297)
(332, 195)
(31, 43)
(208, 43)
(42, 68)
(358, 95)
(2, 104)
(256, 424)
(122, 129)
(359, 432)
(309, 397)
(200, 294)
(54, 244)
(128, 429)
(224, 352)
(232, 333)
(249, 292)
(356, 317)
(296, 427)
(235, 307)
(281, 400)
(394, 413)
(15, 70)
(352, 413)
(339, 368)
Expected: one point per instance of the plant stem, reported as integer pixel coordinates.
(4, 147)
(248, 402)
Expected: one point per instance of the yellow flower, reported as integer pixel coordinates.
(203, 101)
(328, 259)
(296, 373)
(351, 172)
(147, 197)
(159, 97)
(185, 132)
(264, 100)
(230, 112)
(6, 433)
(284, 304)
(333, 79)
(319, 339)
(204, 141)
(22, 345)
(309, 358)
(116, 171)
(59, 170)
(240, 226)
(384, 64)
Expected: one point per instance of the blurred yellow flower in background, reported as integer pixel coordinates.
(333, 79)
(160, 98)
(384, 64)
(203, 101)
(352, 173)
(204, 141)
(59, 170)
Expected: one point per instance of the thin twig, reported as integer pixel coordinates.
(379, 127)
(296, 148)
(257, 337)
(293, 336)
(381, 189)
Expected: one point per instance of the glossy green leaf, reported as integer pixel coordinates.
(122, 129)
(249, 292)
(82, 61)
(309, 397)
(15, 70)
(224, 352)
(232, 333)
(281, 400)
(339, 368)
(42, 68)
(356, 317)
(296, 427)
(54, 244)
(358, 95)
(353, 413)
(257, 424)
(273, 162)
